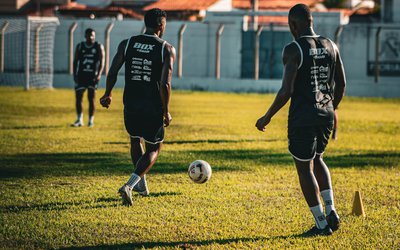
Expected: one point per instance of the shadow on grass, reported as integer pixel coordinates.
(102, 202)
(187, 244)
(100, 164)
(31, 127)
(202, 141)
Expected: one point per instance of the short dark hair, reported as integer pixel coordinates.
(153, 18)
(88, 31)
(300, 13)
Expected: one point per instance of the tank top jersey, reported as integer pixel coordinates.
(143, 65)
(88, 62)
(311, 101)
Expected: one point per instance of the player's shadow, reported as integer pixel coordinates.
(188, 244)
(119, 164)
(219, 141)
(30, 127)
(102, 202)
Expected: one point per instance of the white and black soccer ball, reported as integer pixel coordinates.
(199, 171)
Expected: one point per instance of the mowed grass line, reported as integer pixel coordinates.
(58, 184)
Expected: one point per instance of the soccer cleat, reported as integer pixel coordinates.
(90, 124)
(315, 231)
(333, 220)
(126, 195)
(77, 123)
(141, 187)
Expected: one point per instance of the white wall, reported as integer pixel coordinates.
(396, 11)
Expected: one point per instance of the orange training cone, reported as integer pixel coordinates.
(358, 207)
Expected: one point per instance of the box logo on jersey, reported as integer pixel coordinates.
(318, 53)
(143, 48)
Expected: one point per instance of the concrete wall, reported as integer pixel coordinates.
(357, 46)
(198, 51)
(396, 11)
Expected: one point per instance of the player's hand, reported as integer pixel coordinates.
(97, 79)
(105, 100)
(167, 119)
(262, 123)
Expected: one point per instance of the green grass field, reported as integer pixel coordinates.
(59, 184)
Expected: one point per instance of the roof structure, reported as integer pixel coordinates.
(182, 5)
(272, 4)
(77, 8)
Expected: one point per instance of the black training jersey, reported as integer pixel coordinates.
(143, 65)
(88, 65)
(311, 101)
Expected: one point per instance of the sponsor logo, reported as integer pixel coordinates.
(136, 67)
(146, 67)
(136, 78)
(322, 75)
(137, 62)
(136, 72)
(323, 69)
(146, 78)
(147, 73)
(94, 51)
(147, 62)
(142, 47)
(318, 51)
(137, 59)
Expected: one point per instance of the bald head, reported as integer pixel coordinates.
(300, 19)
(300, 13)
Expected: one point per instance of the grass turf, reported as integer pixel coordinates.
(59, 184)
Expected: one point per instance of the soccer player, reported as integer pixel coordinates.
(314, 80)
(148, 70)
(88, 67)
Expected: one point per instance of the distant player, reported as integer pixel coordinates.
(314, 80)
(148, 70)
(88, 67)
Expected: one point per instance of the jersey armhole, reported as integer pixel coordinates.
(333, 47)
(126, 46)
(301, 54)
(162, 51)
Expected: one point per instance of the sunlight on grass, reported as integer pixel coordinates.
(59, 184)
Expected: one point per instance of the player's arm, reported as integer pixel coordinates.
(102, 59)
(75, 63)
(165, 82)
(112, 75)
(340, 80)
(291, 58)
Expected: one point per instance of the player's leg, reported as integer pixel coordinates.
(335, 126)
(137, 152)
(78, 106)
(142, 167)
(323, 176)
(148, 158)
(302, 146)
(92, 105)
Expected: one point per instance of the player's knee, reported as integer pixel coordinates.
(91, 94)
(135, 141)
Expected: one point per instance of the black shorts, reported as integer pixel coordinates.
(86, 85)
(306, 142)
(148, 127)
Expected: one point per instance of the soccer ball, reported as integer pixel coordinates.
(199, 171)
